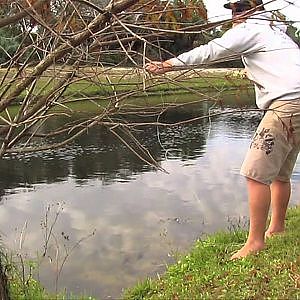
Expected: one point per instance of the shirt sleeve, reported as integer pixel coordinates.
(238, 41)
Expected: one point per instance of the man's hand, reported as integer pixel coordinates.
(157, 67)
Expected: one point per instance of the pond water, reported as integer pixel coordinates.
(108, 219)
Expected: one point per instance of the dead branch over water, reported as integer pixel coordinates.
(64, 53)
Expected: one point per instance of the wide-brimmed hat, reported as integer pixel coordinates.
(243, 5)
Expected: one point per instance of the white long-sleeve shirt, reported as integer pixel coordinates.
(271, 58)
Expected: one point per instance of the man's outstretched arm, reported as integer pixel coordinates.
(233, 44)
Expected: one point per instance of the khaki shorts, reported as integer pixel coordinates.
(276, 143)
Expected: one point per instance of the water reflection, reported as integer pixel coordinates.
(141, 216)
(99, 154)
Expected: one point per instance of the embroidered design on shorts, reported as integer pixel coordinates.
(263, 140)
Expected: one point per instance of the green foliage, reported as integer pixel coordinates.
(9, 43)
(23, 286)
(207, 273)
(294, 34)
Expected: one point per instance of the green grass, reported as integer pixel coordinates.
(92, 92)
(154, 102)
(122, 85)
(207, 273)
(95, 83)
(22, 285)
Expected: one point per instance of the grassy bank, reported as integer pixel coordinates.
(175, 82)
(92, 92)
(100, 83)
(207, 273)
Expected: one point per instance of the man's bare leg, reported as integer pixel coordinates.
(259, 197)
(280, 196)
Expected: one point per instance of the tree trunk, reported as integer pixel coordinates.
(3, 283)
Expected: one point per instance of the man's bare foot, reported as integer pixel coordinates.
(271, 232)
(248, 249)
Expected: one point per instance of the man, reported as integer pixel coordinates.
(272, 62)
